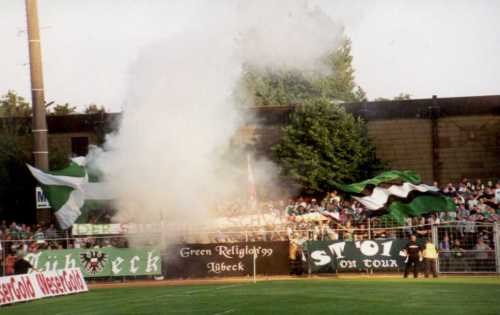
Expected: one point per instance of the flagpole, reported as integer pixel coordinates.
(369, 228)
(255, 266)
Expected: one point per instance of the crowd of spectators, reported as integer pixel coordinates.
(477, 204)
(329, 218)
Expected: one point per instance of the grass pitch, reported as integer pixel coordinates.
(464, 295)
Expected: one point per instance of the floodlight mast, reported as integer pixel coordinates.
(39, 129)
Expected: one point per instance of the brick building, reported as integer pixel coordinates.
(70, 135)
(442, 139)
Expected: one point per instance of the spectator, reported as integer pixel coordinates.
(482, 255)
(21, 266)
(459, 257)
(51, 232)
(445, 253)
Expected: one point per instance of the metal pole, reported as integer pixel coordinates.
(255, 266)
(435, 113)
(496, 235)
(435, 241)
(40, 143)
(4, 257)
(369, 229)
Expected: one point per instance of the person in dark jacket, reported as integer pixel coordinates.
(21, 265)
(413, 256)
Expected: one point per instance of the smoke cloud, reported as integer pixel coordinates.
(168, 160)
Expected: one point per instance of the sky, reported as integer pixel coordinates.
(424, 48)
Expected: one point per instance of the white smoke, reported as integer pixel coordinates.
(165, 161)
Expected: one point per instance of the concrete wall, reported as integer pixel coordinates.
(58, 142)
(62, 141)
(405, 144)
(469, 146)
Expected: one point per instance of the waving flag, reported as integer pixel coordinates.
(389, 176)
(400, 194)
(380, 196)
(68, 189)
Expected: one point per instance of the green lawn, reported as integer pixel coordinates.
(471, 295)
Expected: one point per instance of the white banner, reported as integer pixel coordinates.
(114, 229)
(41, 199)
(32, 286)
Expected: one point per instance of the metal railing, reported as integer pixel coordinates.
(466, 257)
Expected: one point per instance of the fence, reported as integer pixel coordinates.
(467, 247)
(464, 247)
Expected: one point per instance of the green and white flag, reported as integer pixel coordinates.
(399, 194)
(385, 177)
(68, 189)
(380, 195)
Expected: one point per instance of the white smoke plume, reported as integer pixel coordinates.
(165, 161)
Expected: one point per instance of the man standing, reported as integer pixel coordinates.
(430, 256)
(413, 256)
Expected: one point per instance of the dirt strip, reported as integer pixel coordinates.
(184, 282)
(225, 280)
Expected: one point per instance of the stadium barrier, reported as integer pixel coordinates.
(465, 253)
(100, 262)
(102, 256)
(27, 287)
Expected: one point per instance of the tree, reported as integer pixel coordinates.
(13, 105)
(15, 181)
(283, 87)
(14, 115)
(402, 97)
(94, 109)
(399, 97)
(339, 83)
(17, 185)
(266, 87)
(61, 110)
(324, 144)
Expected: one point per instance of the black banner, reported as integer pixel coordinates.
(332, 256)
(225, 259)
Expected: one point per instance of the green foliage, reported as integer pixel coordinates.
(12, 109)
(399, 97)
(94, 109)
(15, 181)
(61, 110)
(339, 83)
(402, 97)
(13, 105)
(266, 87)
(283, 87)
(324, 143)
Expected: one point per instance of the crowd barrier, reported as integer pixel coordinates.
(100, 262)
(226, 259)
(338, 256)
(20, 288)
(101, 256)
